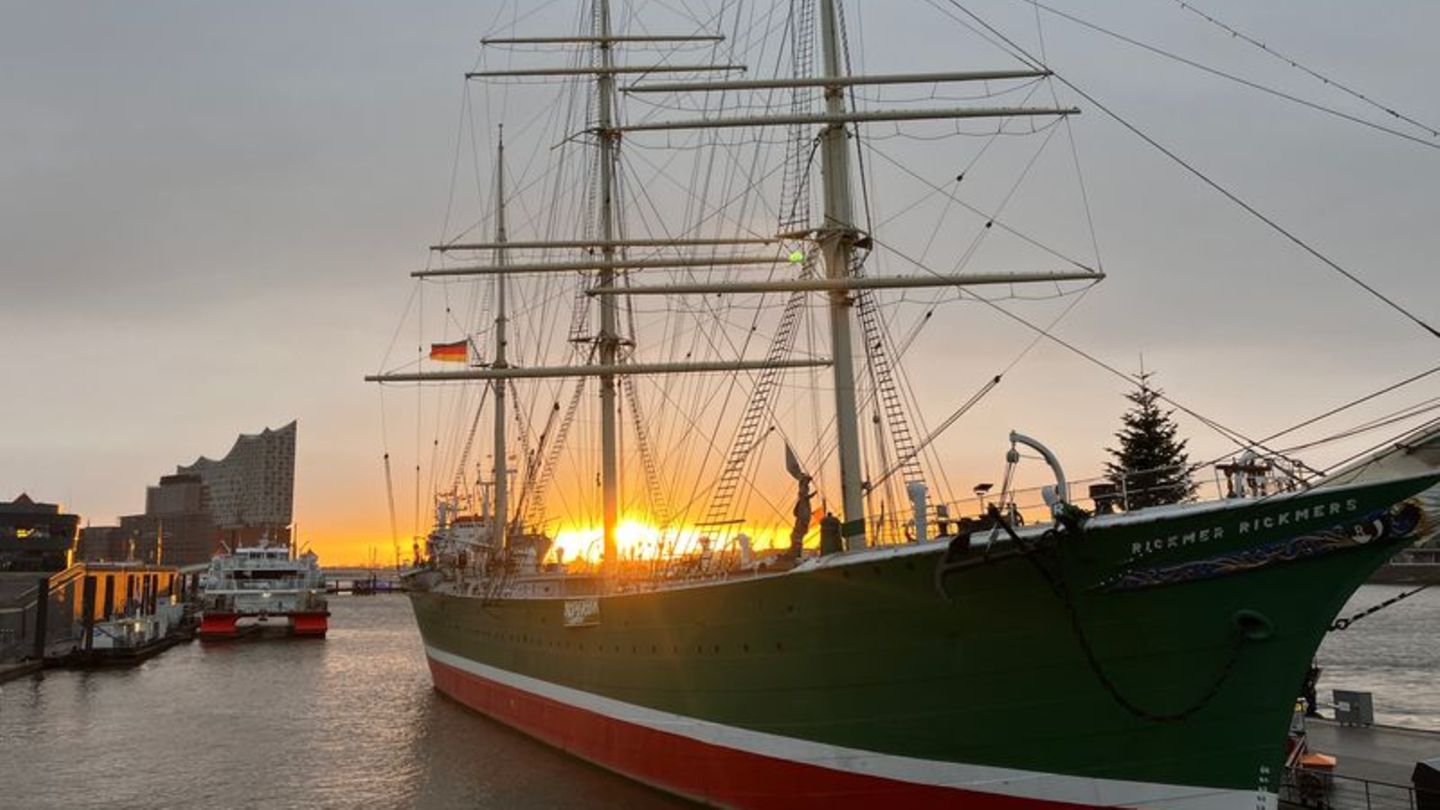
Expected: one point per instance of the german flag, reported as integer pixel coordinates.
(456, 352)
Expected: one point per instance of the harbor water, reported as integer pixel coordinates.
(1392, 653)
(352, 721)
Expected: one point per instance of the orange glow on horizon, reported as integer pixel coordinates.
(345, 546)
(637, 539)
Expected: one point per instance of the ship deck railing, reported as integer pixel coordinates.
(262, 586)
(1127, 492)
(1124, 492)
(1027, 505)
(689, 561)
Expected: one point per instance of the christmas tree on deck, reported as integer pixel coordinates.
(1151, 466)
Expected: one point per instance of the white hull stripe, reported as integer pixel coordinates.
(986, 778)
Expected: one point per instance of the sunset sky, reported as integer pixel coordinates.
(208, 213)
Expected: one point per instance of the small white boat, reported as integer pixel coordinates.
(253, 586)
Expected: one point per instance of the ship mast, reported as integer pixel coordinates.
(611, 262)
(502, 483)
(837, 237)
(608, 340)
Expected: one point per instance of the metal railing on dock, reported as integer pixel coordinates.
(363, 581)
(1322, 790)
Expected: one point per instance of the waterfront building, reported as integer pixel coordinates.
(36, 542)
(176, 528)
(251, 490)
(35, 536)
(208, 506)
(102, 543)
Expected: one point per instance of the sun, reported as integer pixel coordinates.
(634, 538)
(638, 539)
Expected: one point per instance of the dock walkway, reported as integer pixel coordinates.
(1377, 753)
(18, 669)
(1373, 768)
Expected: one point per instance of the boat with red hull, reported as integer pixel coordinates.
(253, 588)
(1096, 665)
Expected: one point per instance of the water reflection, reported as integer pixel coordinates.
(351, 721)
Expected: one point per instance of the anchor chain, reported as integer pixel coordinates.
(1344, 624)
(1049, 541)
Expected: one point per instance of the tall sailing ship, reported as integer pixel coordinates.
(886, 651)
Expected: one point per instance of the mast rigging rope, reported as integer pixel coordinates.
(1232, 77)
(1352, 403)
(1206, 179)
(1316, 74)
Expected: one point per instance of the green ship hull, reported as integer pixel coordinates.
(1149, 659)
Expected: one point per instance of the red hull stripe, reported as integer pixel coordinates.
(732, 767)
(227, 625)
(309, 624)
(218, 625)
